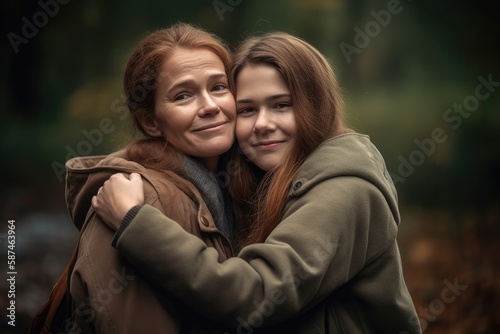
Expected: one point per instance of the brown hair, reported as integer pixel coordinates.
(318, 108)
(142, 74)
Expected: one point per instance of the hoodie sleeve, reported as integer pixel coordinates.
(326, 237)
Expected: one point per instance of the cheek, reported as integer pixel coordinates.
(243, 130)
(291, 126)
(177, 119)
(229, 107)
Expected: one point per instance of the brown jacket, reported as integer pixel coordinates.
(109, 295)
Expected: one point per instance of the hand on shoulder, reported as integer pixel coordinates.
(116, 197)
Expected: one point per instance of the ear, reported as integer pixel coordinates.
(148, 123)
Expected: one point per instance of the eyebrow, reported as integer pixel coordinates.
(186, 82)
(269, 98)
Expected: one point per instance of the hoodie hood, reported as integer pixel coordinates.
(84, 177)
(350, 154)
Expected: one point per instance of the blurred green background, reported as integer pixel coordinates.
(421, 77)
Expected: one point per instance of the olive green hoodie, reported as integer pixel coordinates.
(331, 266)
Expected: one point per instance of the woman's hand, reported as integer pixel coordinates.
(116, 197)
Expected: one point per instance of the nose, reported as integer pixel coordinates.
(208, 106)
(264, 122)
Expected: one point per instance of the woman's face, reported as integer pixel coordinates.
(194, 110)
(266, 120)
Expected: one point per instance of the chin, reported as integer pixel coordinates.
(225, 146)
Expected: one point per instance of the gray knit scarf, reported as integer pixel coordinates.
(211, 192)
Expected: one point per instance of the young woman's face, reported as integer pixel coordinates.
(265, 123)
(194, 109)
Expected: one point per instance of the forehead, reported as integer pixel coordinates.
(260, 79)
(182, 62)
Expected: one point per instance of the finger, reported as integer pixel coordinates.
(135, 177)
(115, 176)
(94, 201)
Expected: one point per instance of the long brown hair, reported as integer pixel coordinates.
(318, 108)
(140, 81)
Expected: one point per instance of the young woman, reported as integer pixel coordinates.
(177, 91)
(322, 255)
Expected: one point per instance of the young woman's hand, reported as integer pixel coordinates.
(116, 197)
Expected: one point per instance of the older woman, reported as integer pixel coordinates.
(177, 92)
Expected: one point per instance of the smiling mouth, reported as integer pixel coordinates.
(213, 126)
(268, 145)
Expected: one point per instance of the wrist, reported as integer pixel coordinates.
(129, 216)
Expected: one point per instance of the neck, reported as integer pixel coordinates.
(210, 163)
